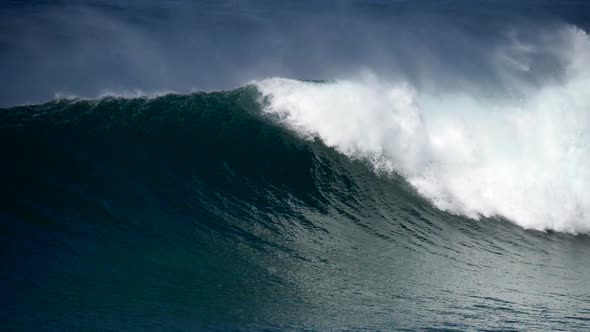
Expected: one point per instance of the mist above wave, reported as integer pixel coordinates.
(86, 48)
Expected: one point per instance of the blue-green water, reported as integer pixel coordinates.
(294, 165)
(200, 212)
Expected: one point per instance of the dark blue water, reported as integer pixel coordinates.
(203, 211)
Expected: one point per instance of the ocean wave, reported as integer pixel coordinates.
(209, 210)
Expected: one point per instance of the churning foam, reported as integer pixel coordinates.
(525, 160)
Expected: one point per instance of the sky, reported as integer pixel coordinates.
(92, 48)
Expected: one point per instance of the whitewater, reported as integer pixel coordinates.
(522, 157)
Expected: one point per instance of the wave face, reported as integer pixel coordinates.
(279, 205)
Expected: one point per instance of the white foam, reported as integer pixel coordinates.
(524, 159)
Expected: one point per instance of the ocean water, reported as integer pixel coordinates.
(262, 165)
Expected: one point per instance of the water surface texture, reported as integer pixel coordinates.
(309, 165)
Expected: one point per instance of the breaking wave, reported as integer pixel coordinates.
(523, 158)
